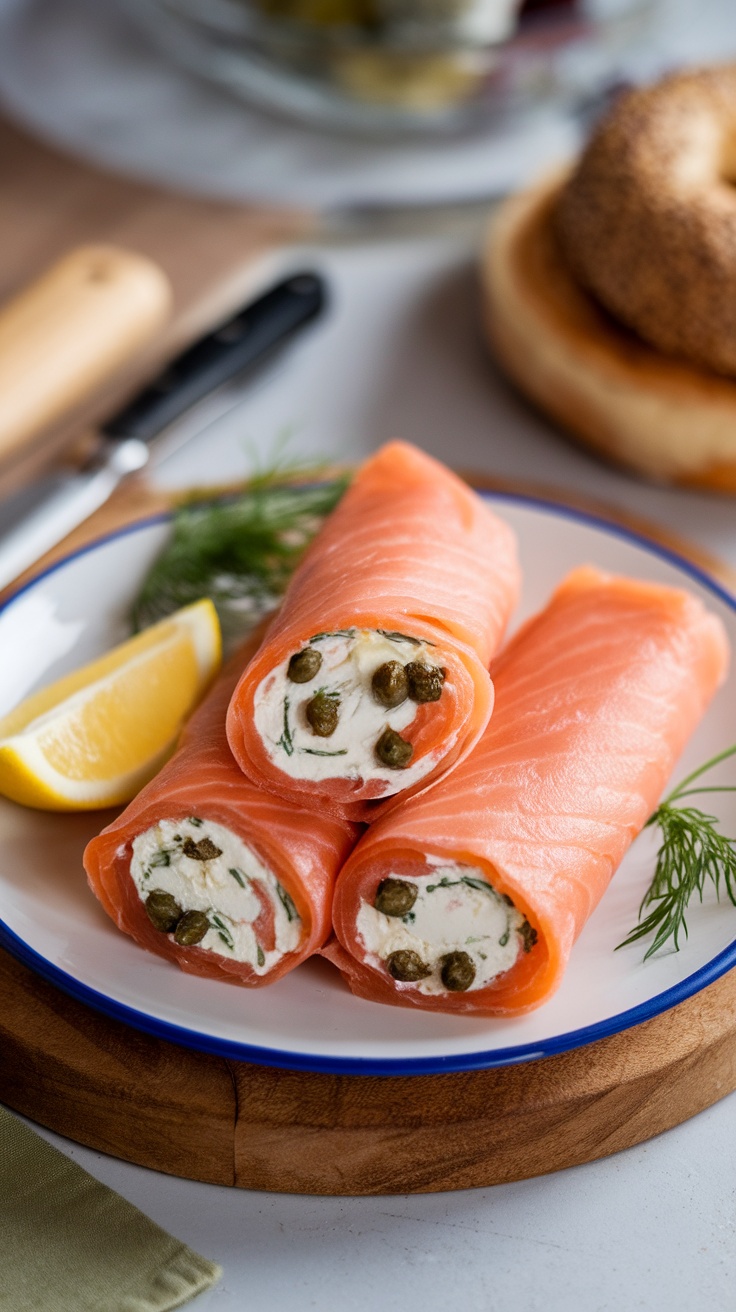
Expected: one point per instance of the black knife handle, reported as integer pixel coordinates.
(213, 360)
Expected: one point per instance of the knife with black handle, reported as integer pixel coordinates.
(244, 340)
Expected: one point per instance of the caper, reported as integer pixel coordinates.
(323, 713)
(528, 936)
(191, 928)
(304, 665)
(204, 850)
(163, 910)
(394, 897)
(424, 681)
(407, 966)
(393, 750)
(389, 684)
(457, 971)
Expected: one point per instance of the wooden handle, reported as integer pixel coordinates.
(69, 331)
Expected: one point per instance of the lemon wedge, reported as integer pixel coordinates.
(93, 738)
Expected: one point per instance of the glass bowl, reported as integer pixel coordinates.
(377, 67)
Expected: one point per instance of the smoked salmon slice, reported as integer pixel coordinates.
(373, 679)
(211, 872)
(470, 898)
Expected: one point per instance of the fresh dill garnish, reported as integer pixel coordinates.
(224, 933)
(404, 637)
(286, 741)
(335, 633)
(286, 902)
(240, 551)
(480, 884)
(314, 751)
(692, 851)
(237, 875)
(260, 955)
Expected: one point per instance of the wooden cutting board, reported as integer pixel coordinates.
(151, 1102)
(211, 251)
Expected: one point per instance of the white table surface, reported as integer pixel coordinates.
(654, 1227)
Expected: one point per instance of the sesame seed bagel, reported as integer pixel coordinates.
(663, 417)
(647, 220)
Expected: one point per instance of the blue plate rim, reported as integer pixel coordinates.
(435, 1065)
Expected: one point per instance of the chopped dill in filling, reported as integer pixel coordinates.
(344, 704)
(202, 885)
(450, 932)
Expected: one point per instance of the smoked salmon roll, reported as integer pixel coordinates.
(470, 898)
(373, 679)
(213, 873)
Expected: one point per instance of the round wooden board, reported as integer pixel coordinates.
(205, 1118)
(172, 1109)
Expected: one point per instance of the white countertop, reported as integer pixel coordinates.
(652, 1228)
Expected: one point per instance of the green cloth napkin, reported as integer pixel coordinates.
(69, 1244)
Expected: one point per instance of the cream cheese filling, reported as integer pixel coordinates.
(456, 910)
(223, 887)
(348, 662)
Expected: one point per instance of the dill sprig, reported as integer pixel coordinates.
(240, 551)
(692, 852)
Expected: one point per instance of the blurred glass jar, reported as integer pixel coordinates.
(381, 66)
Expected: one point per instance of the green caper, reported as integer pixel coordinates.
(424, 681)
(191, 928)
(304, 665)
(323, 713)
(163, 910)
(389, 686)
(407, 966)
(528, 936)
(394, 897)
(393, 750)
(204, 850)
(457, 971)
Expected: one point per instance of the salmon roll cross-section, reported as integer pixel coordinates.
(214, 874)
(470, 898)
(373, 679)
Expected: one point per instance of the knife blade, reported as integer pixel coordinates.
(243, 341)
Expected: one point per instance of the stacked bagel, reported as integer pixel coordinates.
(610, 292)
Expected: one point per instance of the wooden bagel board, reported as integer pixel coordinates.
(172, 1109)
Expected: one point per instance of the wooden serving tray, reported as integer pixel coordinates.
(207, 1118)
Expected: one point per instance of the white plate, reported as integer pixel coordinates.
(309, 1020)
